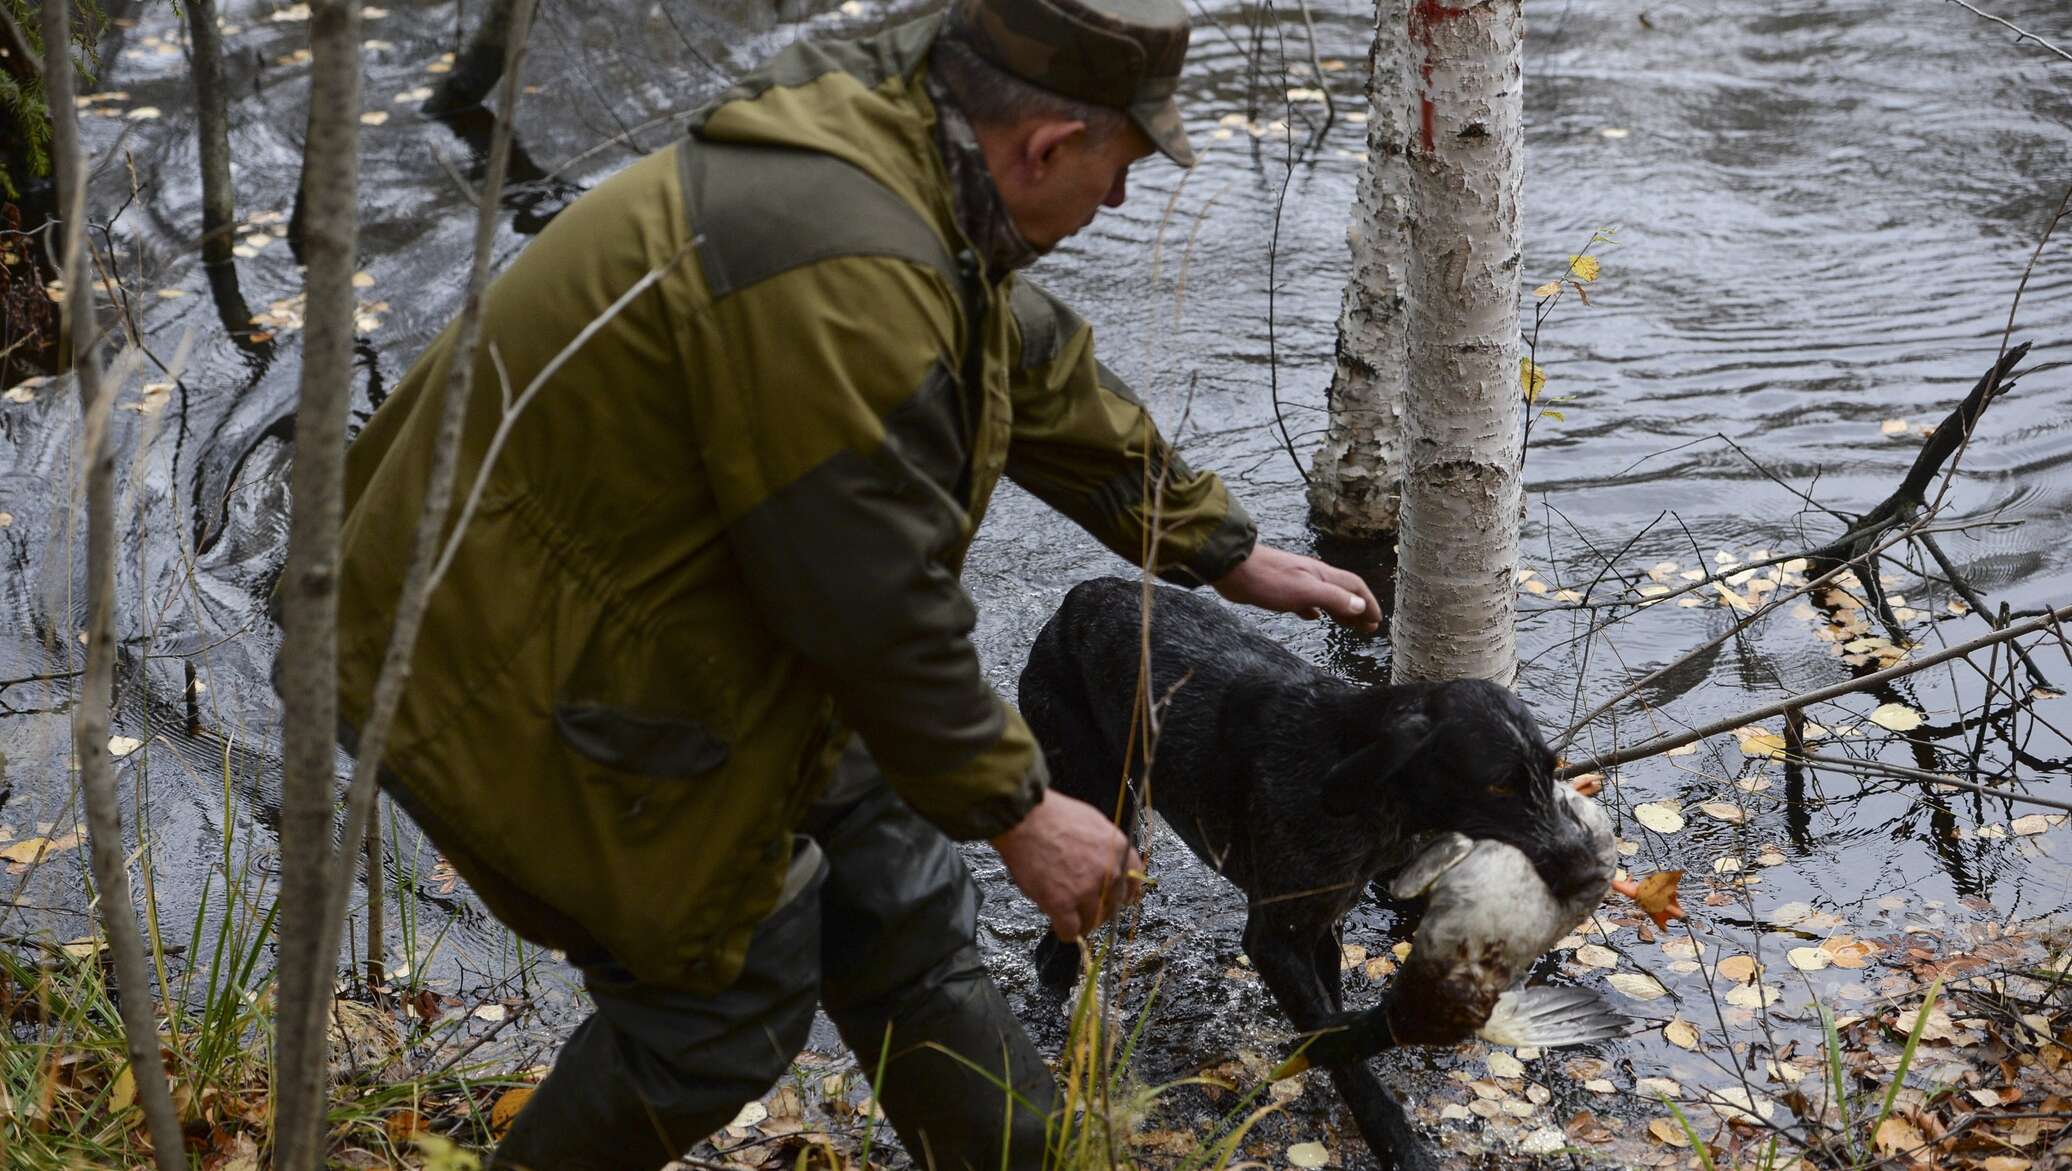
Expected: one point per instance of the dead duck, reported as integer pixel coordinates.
(1489, 916)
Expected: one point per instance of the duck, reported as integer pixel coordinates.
(1489, 916)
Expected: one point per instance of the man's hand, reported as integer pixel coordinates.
(1072, 862)
(1274, 579)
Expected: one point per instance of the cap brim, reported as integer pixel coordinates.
(1160, 121)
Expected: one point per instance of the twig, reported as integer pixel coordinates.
(1671, 740)
(1916, 774)
(1273, 253)
(2020, 34)
(1317, 71)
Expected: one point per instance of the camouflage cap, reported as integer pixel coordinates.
(1123, 54)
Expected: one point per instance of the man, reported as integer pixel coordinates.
(696, 701)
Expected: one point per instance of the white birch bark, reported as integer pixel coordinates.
(1355, 481)
(309, 592)
(1462, 487)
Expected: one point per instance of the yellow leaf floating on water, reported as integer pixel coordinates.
(1638, 985)
(1896, 717)
(1725, 811)
(1502, 1064)
(1682, 1034)
(1893, 427)
(1662, 817)
(1808, 959)
(1583, 268)
(1753, 995)
(1768, 745)
(2034, 823)
(1739, 968)
(1596, 955)
(1532, 377)
(1308, 1155)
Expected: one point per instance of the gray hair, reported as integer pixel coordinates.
(997, 100)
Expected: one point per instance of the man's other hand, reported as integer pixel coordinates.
(1072, 862)
(1274, 579)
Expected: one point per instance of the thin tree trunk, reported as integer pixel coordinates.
(90, 715)
(212, 128)
(480, 63)
(1461, 486)
(309, 592)
(438, 497)
(1356, 479)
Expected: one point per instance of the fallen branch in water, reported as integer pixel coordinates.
(1664, 743)
(1916, 774)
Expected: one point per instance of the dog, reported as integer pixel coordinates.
(1299, 787)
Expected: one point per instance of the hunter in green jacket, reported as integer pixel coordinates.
(783, 364)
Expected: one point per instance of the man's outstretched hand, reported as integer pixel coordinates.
(1072, 862)
(1274, 579)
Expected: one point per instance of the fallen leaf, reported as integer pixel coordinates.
(1753, 996)
(1638, 985)
(1893, 427)
(142, 114)
(404, 1123)
(1669, 1132)
(1308, 1155)
(1897, 1136)
(511, 1101)
(2034, 823)
(1725, 811)
(1896, 717)
(1544, 1141)
(1737, 1102)
(374, 118)
(1740, 968)
(1682, 1034)
(123, 745)
(1768, 745)
(1502, 1064)
(1659, 816)
(1808, 959)
(1596, 955)
(1845, 952)
(1598, 1085)
(488, 1012)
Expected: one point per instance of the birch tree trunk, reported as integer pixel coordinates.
(1461, 485)
(90, 713)
(309, 591)
(212, 131)
(1355, 480)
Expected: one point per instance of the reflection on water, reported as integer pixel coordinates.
(1820, 217)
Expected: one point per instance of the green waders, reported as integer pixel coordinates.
(878, 926)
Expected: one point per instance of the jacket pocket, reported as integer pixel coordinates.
(646, 743)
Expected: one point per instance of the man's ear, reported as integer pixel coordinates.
(1039, 149)
(1350, 785)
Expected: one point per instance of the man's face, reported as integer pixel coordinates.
(1057, 186)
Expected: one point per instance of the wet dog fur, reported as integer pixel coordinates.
(1299, 787)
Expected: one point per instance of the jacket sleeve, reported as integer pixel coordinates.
(1084, 445)
(829, 447)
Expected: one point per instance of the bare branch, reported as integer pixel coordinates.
(1664, 743)
(2020, 34)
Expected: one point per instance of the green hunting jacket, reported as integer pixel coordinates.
(727, 530)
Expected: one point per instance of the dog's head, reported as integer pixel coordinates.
(1467, 758)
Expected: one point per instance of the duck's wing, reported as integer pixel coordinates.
(1545, 1017)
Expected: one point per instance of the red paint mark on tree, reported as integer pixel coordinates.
(1425, 15)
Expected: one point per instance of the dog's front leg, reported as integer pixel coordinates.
(1285, 956)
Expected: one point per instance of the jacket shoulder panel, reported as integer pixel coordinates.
(745, 233)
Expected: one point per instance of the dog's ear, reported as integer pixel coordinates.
(1349, 786)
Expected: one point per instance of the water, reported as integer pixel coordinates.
(1822, 215)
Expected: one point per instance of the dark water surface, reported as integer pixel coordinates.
(1822, 213)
